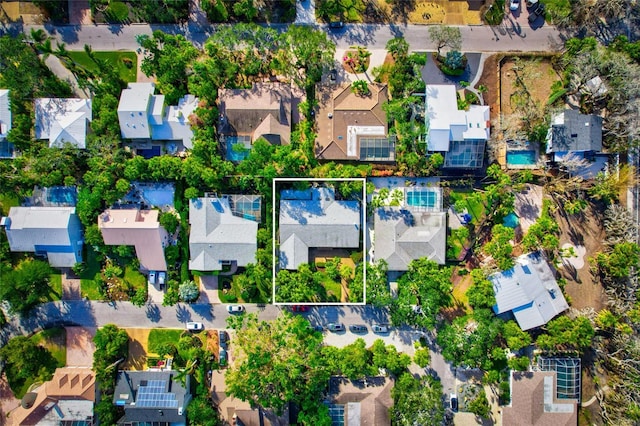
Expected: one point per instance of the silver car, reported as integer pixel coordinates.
(380, 328)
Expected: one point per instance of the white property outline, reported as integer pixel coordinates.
(363, 230)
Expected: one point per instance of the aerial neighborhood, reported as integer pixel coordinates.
(319, 212)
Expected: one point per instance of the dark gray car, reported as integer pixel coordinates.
(358, 328)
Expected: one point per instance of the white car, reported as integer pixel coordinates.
(235, 309)
(152, 277)
(514, 4)
(162, 276)
(195, 326)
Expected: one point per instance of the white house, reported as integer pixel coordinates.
(63, 120)
(143, 116)
(460, 135)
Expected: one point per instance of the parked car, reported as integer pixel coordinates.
(235, 309)
(195, 326)
(299, 308)
(379, 328)
(222, 357)
(536, 11)
(333, 75)
(152, 277)
(514, 4)
(336, 25)
(335, 326)
(223, 338)
(358, 328)
(454, 402)
(316, 327)
(162, 277)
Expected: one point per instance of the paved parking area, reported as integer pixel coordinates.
(80, 347)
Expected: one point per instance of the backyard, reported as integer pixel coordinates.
(125, 62)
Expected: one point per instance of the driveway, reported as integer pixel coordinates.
(80, 346)
(431, 74)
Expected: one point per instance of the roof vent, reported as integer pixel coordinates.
(330, 115)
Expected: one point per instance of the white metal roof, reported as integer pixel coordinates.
(62, 120)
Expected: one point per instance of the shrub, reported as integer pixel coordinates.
(117, 12)
(454, 59)
(188, 291)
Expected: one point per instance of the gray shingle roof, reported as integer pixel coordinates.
(321, 221)
(217, 235)
(572, 131)
(402, 236)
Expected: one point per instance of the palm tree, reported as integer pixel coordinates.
(38, 36)
(61, 51)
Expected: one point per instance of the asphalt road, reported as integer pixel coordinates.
(510, 37)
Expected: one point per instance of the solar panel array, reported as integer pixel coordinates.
(154, 395)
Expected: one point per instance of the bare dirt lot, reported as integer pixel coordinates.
(583, 289)
(537, 75)
(138, 344)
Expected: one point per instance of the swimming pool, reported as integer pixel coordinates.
(64, 195)
(522, 158)
(422, 198)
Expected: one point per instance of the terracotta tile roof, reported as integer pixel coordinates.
(534, 402)
(138, 228)
(67, 384)
(341, 109)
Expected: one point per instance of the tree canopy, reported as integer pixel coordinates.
(417, 401)
(276, 362)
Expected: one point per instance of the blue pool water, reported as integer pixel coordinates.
(159, 196)
(521, 158)
(62, 195)
(422, 198)
(234, 154)
(511, 220)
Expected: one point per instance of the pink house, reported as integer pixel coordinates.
(138, 228)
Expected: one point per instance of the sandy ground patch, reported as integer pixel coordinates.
(138, 344)
(582, 287)
(80, 346)
(538, 75)
(528, 206)
(576, 261)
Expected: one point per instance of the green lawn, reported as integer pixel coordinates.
(159, 337)
(89, 279)
(7, 201)
(56, 286)
(55, 340)
(115, 57)
(134, 277)
(475, 208)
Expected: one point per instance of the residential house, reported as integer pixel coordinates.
(6, 148)
(352, 404)
(353, 126)
(218, 236)
(574, 134)
(529, 291)
(67, 398)
(62, 120)
(52, 232)
(138, 228)
(234, 411)
(264, 111)
(152, 397)
(313, 218)
(143, 118)
(534, 403)
(412, 231)
(459, 135)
